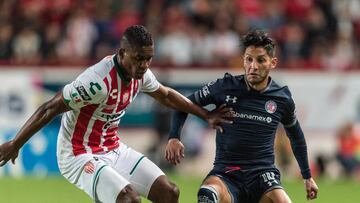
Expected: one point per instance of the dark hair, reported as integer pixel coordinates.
(138, 35)
(259, 38)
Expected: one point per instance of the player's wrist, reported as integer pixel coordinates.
(206, 114)
(307, 179)
(174, 137)
(15, 145)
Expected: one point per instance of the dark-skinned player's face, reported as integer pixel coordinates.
(136, 60)
(257, 64)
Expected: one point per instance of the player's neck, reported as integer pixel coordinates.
(121, 70)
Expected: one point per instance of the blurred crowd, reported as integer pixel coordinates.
(349, 149)
(311, 34)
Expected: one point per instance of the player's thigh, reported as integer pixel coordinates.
(220, 186)
(98, 179)
(144, 175)
(275, 196)
(137, 169)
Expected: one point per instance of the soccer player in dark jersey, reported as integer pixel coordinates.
(244, 169)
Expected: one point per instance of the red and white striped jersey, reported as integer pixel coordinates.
(98, 98)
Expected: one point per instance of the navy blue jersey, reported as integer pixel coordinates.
(249, 141)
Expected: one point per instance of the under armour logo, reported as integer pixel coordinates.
(228, 98)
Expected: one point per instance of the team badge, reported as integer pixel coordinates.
(125, 97)
(270, 106)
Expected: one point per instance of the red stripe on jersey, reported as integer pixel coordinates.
(81, 125)
(106, 83)
(95, 136)
(113, 92)
(111, 138)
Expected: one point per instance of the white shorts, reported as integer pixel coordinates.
(103, 176)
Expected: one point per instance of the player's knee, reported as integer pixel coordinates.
(207, 194)
(128, 195)
(163, 191)
(172, 192)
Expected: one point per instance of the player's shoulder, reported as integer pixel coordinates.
(275, 89)
(94, 76)
(103, 67)
(231, 81)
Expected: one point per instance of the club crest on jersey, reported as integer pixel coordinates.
(125, 97)
(232, 99)
(270, 106)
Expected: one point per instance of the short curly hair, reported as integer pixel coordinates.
(259, 38)
(138, 35)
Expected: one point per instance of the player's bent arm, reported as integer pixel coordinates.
(299, 148)
(43, 115)
(173, 99)
(178, 119)
(177, 122)
(174, 151)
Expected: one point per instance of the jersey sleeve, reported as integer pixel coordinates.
(206, 95)
(289, 118)
(88, 88)
(150, 83)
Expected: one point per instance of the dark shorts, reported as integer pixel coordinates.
(247, 186)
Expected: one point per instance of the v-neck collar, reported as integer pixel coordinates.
(120, 70)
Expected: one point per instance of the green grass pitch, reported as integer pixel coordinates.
(58, 190)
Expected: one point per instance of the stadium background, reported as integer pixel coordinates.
(44, 44)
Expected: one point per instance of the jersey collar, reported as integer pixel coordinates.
(268, 86)
(120, 70)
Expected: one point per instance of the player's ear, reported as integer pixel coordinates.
(121, 52)
(274, 62)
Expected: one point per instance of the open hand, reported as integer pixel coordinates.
(174, 151)
(8, 151)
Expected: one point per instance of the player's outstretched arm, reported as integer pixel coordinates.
(174, 151)
(175, 100)
(43, 115)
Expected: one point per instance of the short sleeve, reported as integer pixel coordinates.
(87, 89)
(289, 118)
(150, 83)
(206, 95)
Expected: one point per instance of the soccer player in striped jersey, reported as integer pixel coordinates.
(244, 169)
(89, 152)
